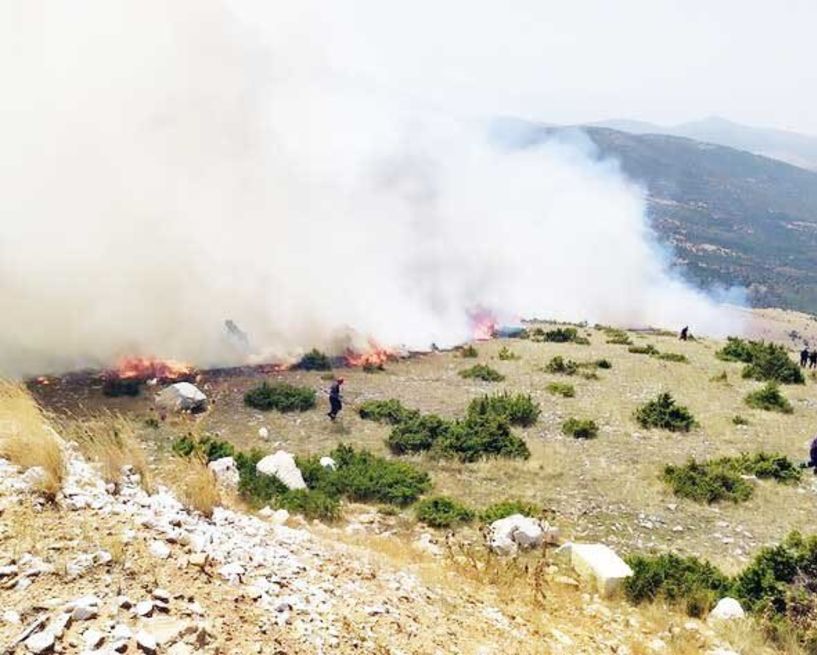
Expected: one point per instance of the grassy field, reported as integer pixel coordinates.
(607, 488)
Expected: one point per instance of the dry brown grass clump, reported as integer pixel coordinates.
(27, 439)
(198, 486)
(109, 439)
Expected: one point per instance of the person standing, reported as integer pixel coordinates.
(335, 401)
(804, 357)
(812, 359)
(684, 333)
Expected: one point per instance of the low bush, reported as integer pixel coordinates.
(482, 372)
(737, 419)
(673, 357)
(314, 360)
(207, 447)
(518, 409)
(443, 512)
(684, 581)
(508, 508)
(649, 349)
(580, 428)
(707, 482)
(280, 396)
(771, 466)
(561, 389)
(481, 435)
(116, 387)
(469, 351)
(507, 355)
(561, 335)
(721, 378)
(665, 414)
(581, 341)
(417, 433)
(764, 361)
(769, 398)
(389, 411)
(603, 363)
(618, 337)
(560, 366)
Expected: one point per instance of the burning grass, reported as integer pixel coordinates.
(27, 439)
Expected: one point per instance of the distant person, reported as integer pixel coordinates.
(812, 456)
(684, 333)
(812, 359)
(804, 355)
(335, 404)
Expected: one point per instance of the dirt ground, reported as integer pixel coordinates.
(607, 488)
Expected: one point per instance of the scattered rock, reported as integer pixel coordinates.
(263, 433)
(197, 559)
(144, 608)
(159, 549)
(146, 641)
(161, 594)
(507, 535)
(232, 572)
(225, 470)
(182, 397)
(42, 642)
(93, 638)
(282, 465)
(726, 610)
(328, 463)
(601, 564)
(85, 608)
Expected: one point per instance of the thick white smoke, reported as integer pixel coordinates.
(166, 166)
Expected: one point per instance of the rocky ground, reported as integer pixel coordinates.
(118, 570)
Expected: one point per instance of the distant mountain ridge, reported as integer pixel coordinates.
(791, 147)
(732, 217)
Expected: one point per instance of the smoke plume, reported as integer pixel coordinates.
(167, 166)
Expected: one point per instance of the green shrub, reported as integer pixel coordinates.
(281, 396)
(417, 433)
(603, 363)
(152, 423)
(769, 398)
(673, 357)
(314, 360)
(663, 413)
(707, 482)
(684, 581)
(507, 355)
(737, 419)
(561, 389)
(772, 466)
(618, 337)
(581, 341)
(362, 476)
(562, 367)
(207, 447)
(443, 512)
(649, 349)
(518, 409)
(469, 351)
(389, 411)
(561, 335)
(721, 377)
(482, 372)
(481, 435)
(115, 387)
(310, 504)
(764, 361)
(580, 428)
(507, 508)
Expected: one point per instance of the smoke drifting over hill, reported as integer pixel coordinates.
(166, 166)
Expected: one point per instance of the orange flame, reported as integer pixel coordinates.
(376, 356)
(148, 368)
(483, 324)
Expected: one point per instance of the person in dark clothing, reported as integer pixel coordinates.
(804, 355)
(684, 333)
(335, 404)
(812, 359)
(812, 456)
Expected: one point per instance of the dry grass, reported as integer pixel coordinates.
(109, 439)
(197, 486)
(27, 439)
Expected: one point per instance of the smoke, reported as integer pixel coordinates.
(167, 166)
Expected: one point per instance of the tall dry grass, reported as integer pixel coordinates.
(27, 438)
(109, 439)
(194, 483)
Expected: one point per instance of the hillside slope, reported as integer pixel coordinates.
(733, 218)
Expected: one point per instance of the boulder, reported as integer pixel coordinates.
(225, 470)
(508, 535)
(599, 563)
(282, 466)
(263, 433)
(727, 609)
(41, 642)
(182, 396)
(159, 549)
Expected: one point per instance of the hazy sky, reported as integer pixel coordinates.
(667, 61)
